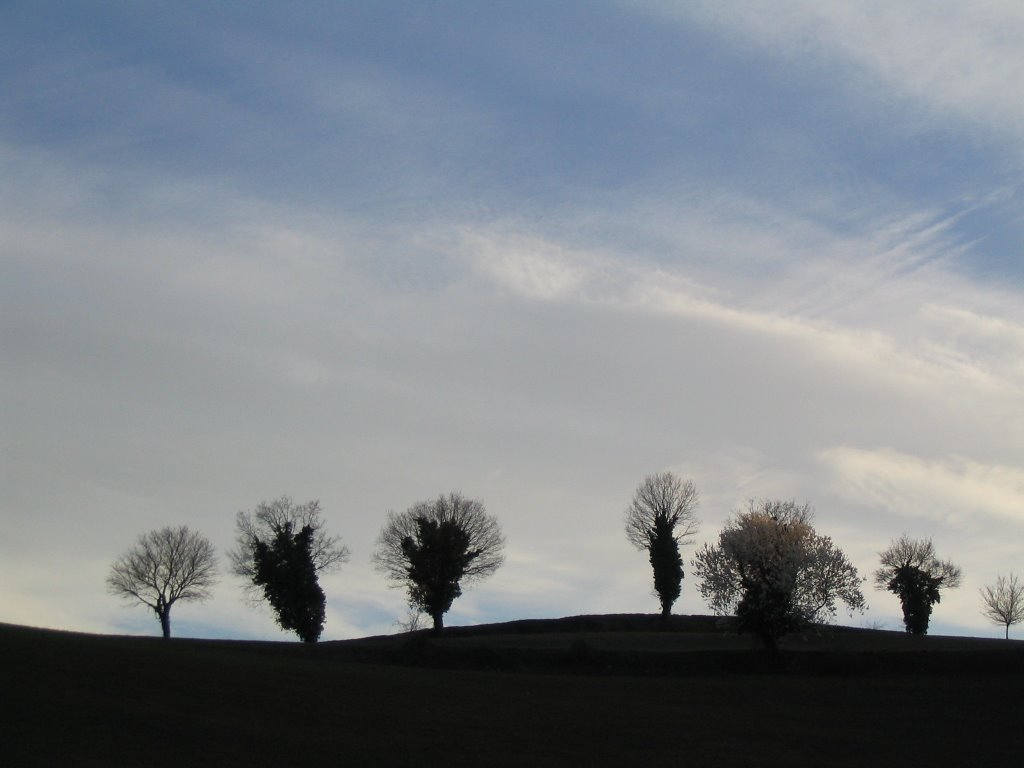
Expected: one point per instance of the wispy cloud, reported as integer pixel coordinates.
(368, 261)
(950, 491)
(959, 59)
(884, 297)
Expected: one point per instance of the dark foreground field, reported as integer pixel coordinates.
(582, 692)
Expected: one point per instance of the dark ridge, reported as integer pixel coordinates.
(615, 644)
(612, 622)
(585, 690)
(615, 622)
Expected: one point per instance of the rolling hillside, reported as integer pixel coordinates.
(610, 690)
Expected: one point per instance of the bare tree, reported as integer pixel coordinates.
(911, 571)
(775, 572)
(413, 620)
(1004, 602)
(165, 566)
(434, 547)
(661, 518)
(280, 550)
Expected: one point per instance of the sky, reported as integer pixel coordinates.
(373, 252)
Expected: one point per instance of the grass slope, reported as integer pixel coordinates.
(585, 693)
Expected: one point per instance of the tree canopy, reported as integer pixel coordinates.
(280, 550)
(435, 547)
(775, 572)
(327, 552)
(910, 570)
(284, 569)
(1003, 602)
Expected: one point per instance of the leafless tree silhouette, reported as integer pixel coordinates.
(1004, 601)
(165, 566)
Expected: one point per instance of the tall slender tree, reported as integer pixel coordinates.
(660, 519)
(285, 571)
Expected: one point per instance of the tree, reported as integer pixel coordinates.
(1004, 602)
(775, 572)
(165, 566)
(911, 571)
(660, 519)
(285, 571)
(280, 551)
(434, 547)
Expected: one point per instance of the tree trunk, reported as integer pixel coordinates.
(438, 622)
(165, 622)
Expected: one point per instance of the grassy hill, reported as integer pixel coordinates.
(581, 691)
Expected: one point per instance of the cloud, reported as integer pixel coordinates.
(950, 59)
(874, 301)
(529, 267)
(954, 490)
(370, 275)
(973, 510)
(546, 374)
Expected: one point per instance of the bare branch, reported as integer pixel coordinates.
(662, 497)
(906, 552)
(911, 571)
(435, 546)
(269, 517)
(1004, 601)
(165, 566)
